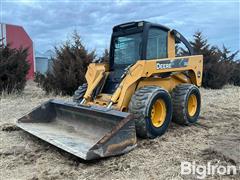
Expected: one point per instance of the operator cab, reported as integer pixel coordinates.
(135, 41)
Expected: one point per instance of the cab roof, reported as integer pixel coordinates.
(138, 24)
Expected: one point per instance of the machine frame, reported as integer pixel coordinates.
(186, 69)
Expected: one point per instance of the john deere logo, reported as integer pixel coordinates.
(176, 63)
(163, 65)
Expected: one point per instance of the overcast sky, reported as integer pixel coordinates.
(51, 22)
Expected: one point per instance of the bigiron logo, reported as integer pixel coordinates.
(209, 169)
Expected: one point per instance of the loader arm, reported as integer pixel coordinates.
(94, 75)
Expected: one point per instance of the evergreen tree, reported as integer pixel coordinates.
(235, 78)
(226, 55)
(217, 63)
(69, 67)
(105, 56)
(13, 68)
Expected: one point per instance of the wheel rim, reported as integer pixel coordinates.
(192, 105)
(158, 113)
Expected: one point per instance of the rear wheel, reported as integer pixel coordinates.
(79, 93)
(186, 100)
(152, 110)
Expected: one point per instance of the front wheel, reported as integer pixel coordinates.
(186, 104)
(152, 110)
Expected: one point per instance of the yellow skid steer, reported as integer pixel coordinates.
(137, 93)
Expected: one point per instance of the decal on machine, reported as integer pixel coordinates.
(176, 63)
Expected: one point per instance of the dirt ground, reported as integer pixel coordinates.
(23, 156)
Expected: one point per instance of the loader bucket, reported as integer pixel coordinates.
(87, 132)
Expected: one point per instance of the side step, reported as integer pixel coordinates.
(87, 132)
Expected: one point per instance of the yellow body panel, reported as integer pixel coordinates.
(171, 45)
(167, 83)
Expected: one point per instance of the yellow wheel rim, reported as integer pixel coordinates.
(192, 105)
(158, 113)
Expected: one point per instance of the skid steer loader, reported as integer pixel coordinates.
(138, 92)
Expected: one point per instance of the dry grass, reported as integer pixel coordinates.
(26, 157)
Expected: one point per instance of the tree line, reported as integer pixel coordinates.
(221, 66)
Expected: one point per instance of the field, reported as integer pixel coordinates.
(215, 138)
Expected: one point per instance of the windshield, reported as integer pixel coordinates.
(127, 49)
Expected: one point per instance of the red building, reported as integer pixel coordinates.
(17, 37)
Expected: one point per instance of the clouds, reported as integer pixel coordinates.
(51, 22)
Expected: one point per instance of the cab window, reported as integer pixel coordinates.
(157, 44)
(126, 49)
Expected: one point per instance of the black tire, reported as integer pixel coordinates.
(141, 105)
(180, 98)
(79, 93)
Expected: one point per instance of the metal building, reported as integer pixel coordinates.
(41, 62)
(44, 61)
